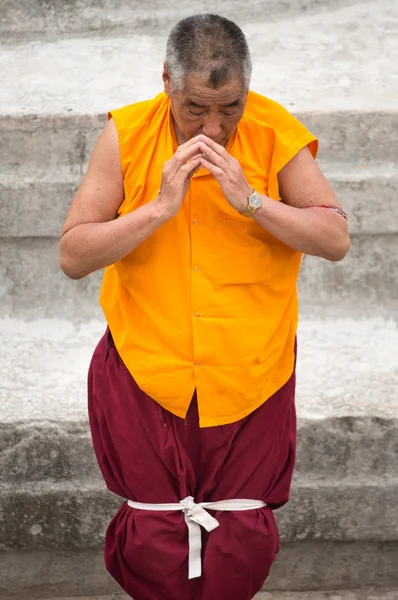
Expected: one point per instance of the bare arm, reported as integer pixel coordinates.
(316, 231)
(92, 238)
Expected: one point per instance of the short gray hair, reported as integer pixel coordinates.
(210, 46)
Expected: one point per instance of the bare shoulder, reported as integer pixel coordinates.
(101, 192)
(302, 183)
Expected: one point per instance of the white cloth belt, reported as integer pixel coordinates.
(196, 517)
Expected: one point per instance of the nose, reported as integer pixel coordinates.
(212, 127)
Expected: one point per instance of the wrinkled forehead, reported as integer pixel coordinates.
(198, 90)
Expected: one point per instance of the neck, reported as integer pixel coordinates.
(178, 134)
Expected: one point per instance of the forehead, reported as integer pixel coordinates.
(197, 89)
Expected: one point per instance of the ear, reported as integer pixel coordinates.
(166, 80)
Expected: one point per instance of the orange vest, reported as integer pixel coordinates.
(209, 300)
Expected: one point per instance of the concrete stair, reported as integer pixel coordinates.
(35, 18)
(360, 594)
(363, 594)
(343, 507)
(333, 65)
(53, 113)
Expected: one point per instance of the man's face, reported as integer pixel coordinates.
(199, 108)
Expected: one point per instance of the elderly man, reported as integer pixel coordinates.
(199, 204)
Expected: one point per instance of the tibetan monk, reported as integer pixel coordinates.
(199, 205)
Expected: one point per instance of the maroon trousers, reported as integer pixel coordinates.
(147, 454)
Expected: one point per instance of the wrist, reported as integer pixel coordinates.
(254, 203)
(160, 213)
(244, 203)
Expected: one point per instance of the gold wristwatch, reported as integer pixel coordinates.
(254, 203)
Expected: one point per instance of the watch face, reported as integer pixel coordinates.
(255, 200)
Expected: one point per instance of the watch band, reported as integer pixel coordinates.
(249, 210)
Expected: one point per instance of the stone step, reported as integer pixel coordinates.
(346, 368)
(325, 532)
(327, 447)
(57, 505)
(312, 565)
(362, 594)
(33, 286)
(51, 18)
(359, 594)
(75, 514)
(57, 148)
(37, 206)
(50, 440)
(347, 375)
(88, 75)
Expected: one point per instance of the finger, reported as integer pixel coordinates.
(192, 141)
(189, 168)
(218, 173)
(183, 154)
(214, 157)
(194, 163)
(214, 146)
(197, 156)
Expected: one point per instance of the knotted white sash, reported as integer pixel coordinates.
(196, 517)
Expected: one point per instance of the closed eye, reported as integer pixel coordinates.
(195, 112)
(200, 113)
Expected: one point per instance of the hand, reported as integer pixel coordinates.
(176, 176)
(227, 171)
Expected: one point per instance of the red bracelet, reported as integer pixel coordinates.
(338, 210)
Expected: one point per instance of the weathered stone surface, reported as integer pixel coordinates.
(53, 148)
(361, 594)
(327, 449)
(34, 208)
(341, 510)
(299, 566)
(54, 76)
(54, 573)
(341, 526)
(346, 446)
(58, 147)
(33, 286)
(71, 17)
(74, 515)
(364, 282)
(37, 207)
(321, 565)
(50, 359)
(367, 194)
(346, 477)
(46, 452)
(53, 516)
